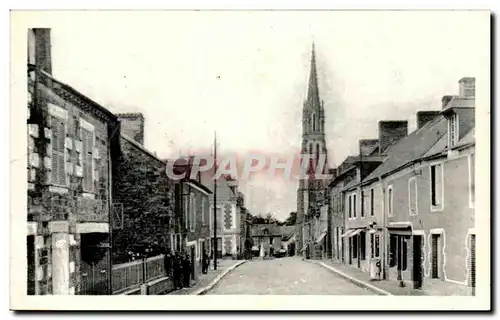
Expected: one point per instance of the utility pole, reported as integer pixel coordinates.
(215, 201)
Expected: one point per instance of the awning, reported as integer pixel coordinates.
(346, 234)
(320, 238)
(355, 232)
(352, 232)
(400, 228)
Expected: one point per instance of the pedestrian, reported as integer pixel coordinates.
(177, 272)
(187, 271)
(205, 263)
(168, 263)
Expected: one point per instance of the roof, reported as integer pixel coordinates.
(287, 232)
(412, 147)
(140, 146)
(261, 230)
(80, 95)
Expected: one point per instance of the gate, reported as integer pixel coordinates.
(94, 266)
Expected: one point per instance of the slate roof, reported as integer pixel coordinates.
(259, 230)
(412, 147)
(288, 232)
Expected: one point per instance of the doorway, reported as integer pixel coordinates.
(417, 262)
(193, 261)
(31, 264)
(94, 266)
(436, 259)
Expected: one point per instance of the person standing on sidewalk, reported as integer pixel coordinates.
(204, 262)
(186, 266)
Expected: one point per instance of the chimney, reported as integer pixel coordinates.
(467, 87)
(390, 132)
(425, 116)
(43, 49)
(132, 125)
(367, 146)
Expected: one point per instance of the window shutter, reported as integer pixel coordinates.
(88, 146)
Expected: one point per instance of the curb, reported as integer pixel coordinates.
(218, 278)
(352, 279)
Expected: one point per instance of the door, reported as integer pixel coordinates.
(435, 256)
(417, 262)
(31, 264)
(193, 261)
(472, 268)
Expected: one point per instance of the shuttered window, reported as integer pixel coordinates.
(354, 206)
(58, 151)
(87, 149)
(412, 194)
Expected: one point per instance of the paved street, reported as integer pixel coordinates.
(285, 276)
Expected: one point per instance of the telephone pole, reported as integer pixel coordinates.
(215, 201)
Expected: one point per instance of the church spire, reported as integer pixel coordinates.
(313, 91)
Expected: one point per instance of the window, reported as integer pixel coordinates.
(390, 200)
(192, 212)
(362, 204)
(58, 173)
(354, 205)
(412, 195)
(203, 210)
(350, 206)
(317, 153)
(313, 122)
(453, 130)
(354, 247)
(87, 159)
(472, 179)
(372, 202)
(436, 185)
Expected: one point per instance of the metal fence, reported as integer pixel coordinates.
(130, 275)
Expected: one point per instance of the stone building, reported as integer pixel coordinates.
(144, 200)
(70, 139)
(311, 193)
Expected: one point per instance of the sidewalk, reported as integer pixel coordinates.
(206, 281)
(432, 287)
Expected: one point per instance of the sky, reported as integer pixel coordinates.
(244, 74)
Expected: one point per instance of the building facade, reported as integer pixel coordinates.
(267, 238)
(422, 195)
(144, 202)
(70, 140)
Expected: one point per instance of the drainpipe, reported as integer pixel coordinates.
(384, 251)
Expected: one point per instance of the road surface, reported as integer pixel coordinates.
(285, 276)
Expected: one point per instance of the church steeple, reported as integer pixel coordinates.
(313, 100)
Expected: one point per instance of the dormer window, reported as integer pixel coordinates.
(453, 130)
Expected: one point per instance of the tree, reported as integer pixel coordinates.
(292, 219)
